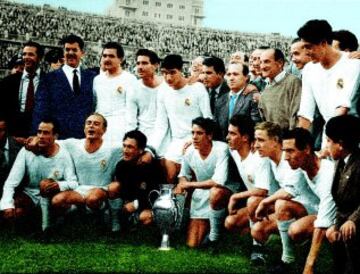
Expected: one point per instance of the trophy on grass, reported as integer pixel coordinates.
(167, 211)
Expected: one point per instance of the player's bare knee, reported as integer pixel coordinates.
(229, 223)
(114, 190)
(282, 210)
(295, 232)
(58, 200)
(93, 202)
(258, 233)
(217, 198)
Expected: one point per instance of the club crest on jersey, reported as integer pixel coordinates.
(187, 102)
(103, 164)
(119, 89)
(340, 83)
(251, 179)
(56, 174)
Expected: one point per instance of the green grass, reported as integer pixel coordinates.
(83, 247)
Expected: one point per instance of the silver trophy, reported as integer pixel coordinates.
(167, 211)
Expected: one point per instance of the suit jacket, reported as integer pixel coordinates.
(5, 166)
(346, 191)
(18, 123)
(56, 99)
(244, 105)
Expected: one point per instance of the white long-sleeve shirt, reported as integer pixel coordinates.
(321, 185)
(141, 108)
(214, 167)
(176, 109)
(37, 167)
(97, 168)
(110, 96)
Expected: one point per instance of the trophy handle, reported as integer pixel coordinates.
(150, 193)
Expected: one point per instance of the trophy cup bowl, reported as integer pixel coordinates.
(166, 213)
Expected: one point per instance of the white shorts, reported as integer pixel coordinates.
(312, 208)
(84, 190)
(174, 151)
(34, 193)
(200, 207)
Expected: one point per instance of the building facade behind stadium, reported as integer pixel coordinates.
(177, 12)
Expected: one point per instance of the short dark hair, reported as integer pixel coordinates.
(245, 69)
(154, 58)
(54, 122)
(115, 45)
(172, 61)
(207, 124)
(347, 40)
(216, 63)
(316, 31)
(244, 124)
(39, 48)
(138, 136)
(295, 40)
(72, 38)
(14, 61)
(279, 55)
(263, 47)
(54, 55)
(344, 129)
(303, 138)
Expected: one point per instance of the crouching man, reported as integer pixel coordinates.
(52, 163)
(298, 146)
(343, 134)
(136, 179)
(95, 163)
(207, 160)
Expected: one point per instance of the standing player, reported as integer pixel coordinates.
(178, 104)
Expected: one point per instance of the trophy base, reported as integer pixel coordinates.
(165, 243)
(165, 248)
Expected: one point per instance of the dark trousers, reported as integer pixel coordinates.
(347, 256)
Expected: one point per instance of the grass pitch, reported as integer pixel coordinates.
(83, 247)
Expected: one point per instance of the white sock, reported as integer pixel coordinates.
(115, 207)
(216, 223)
(45, 213)
(251, 224)
(288, 252)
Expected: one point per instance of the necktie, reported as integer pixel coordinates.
(212, 100)
(231, 105)
(76, 84)
(29, 103)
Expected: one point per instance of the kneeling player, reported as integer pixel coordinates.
(207, 160)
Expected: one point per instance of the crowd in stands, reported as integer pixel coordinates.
(20, 22)
(238, 135)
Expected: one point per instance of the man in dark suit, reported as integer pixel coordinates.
(66, 94)
(8, 151)
(17, 93)
(343, 136)
(213, 72)
(236, 101)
